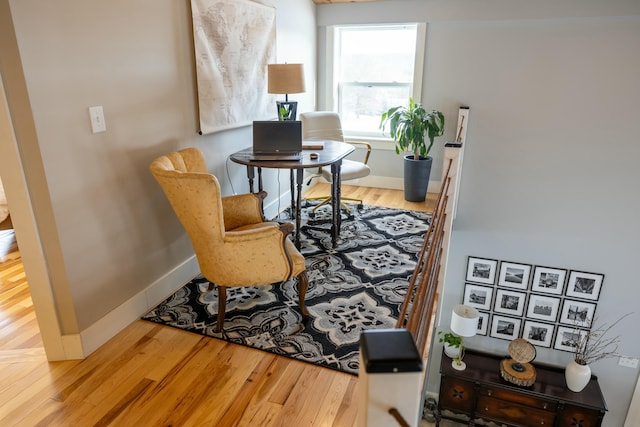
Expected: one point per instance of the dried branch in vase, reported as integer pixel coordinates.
(593, 345)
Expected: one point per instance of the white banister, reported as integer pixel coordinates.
(390, 379)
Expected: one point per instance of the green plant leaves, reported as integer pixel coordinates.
(409, 125)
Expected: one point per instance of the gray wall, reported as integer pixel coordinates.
(107, 231)
(549, 175)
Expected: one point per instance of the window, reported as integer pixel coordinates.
(374, 68)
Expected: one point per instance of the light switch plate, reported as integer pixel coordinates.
(628, 362)
(97, 119)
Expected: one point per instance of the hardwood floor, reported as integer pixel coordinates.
(150, 375)
(376, 197)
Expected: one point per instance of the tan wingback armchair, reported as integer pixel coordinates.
(233, 243)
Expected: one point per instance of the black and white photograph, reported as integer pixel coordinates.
(477, 296)
(483, 323)
(577, 313)
(509, 302)
(506, 328)
(540, 334)
(514, 275)
(567, 339)
(548, 280)
(584, 285)
(481, 270)
(543, 307)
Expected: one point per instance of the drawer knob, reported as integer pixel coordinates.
(488, 392)
(541, 422)
(486, 408)
(545, 406)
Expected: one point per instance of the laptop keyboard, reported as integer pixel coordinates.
(275, 157)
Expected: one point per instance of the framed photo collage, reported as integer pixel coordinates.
(547, 306)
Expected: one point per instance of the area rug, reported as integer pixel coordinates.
(358, 285)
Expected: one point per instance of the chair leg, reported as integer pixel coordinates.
(324, 202)
(350, 199)
(345, 207)
(303, 283)
(222, 306)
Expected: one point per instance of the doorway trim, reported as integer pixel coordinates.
(31, 252)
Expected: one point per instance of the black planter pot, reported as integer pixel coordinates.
(416, 177)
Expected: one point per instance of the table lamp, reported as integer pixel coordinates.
(283, 80)
(464, 323)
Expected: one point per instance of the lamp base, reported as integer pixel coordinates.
(458, 366)
(287, 110)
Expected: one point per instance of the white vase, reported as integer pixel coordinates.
(577, 376)
(451, 351)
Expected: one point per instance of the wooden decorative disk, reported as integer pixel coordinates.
(522, 374)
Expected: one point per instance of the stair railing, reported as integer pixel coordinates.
(402, 404)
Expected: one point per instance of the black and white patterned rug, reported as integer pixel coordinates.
(359, 285)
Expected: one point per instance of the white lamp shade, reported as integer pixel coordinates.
(464, 320)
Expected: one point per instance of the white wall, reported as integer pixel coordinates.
(550, 175)
(108, 232)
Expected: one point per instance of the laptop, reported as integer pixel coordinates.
(277, 140)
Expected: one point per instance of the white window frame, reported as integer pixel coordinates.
(332, 72)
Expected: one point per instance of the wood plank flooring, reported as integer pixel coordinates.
(150, 375)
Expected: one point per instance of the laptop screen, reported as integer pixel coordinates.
(277, 137)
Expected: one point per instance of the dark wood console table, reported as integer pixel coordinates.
(480, 393)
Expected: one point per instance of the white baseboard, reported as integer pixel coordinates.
(72, 345)
(391, 183)
(79, 346)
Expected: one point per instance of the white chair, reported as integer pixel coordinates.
(321, 125)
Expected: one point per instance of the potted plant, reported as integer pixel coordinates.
(411, 127)
(452, 343)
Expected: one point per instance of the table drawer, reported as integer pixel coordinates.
(457, 395)
(576, 416)
(510, 412)
(532, 401)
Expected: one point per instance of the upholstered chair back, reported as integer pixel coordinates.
(194, 195)
(321, 125)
